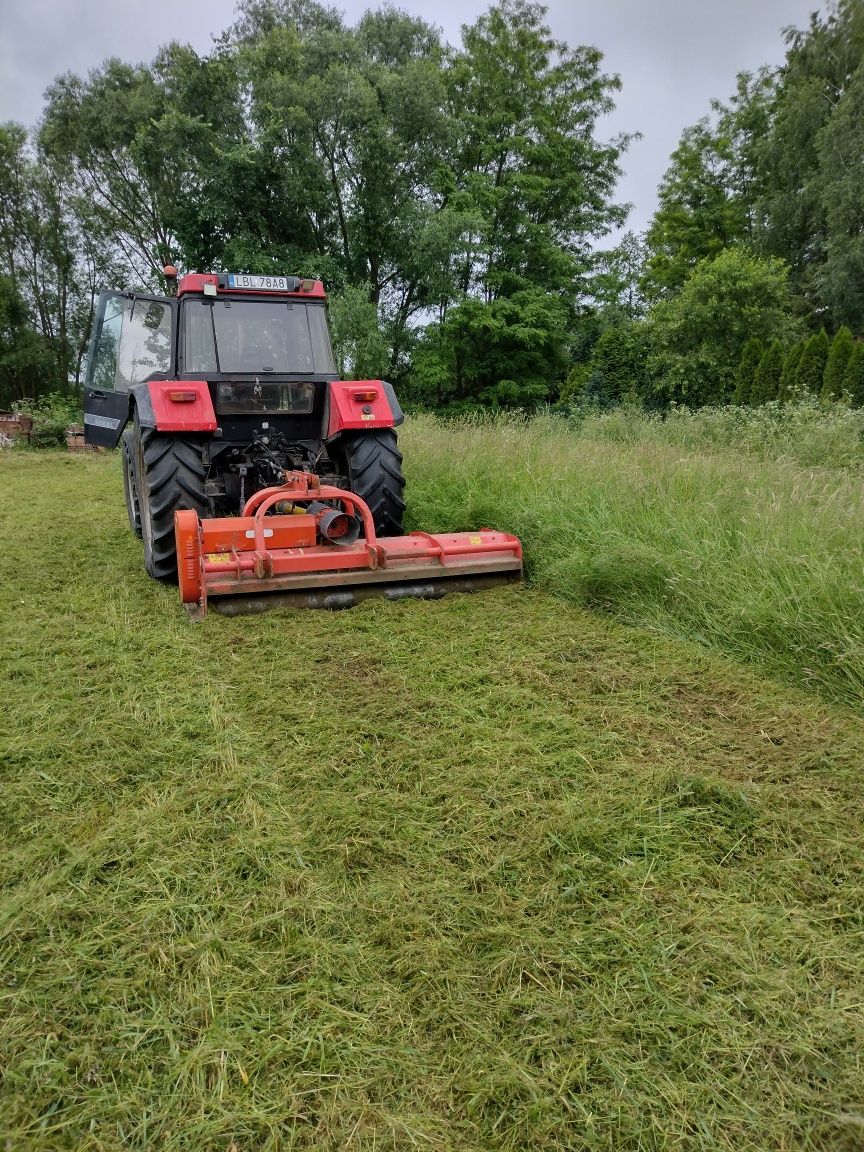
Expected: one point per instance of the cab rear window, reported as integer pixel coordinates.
(257, 337)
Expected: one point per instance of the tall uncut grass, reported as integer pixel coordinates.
(740, 529)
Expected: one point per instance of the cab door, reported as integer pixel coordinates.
(133, 341)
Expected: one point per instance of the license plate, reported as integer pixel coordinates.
(262, 283)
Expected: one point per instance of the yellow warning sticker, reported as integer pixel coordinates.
(219, 557)
(475, 539)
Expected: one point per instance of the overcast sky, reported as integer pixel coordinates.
(672, 55)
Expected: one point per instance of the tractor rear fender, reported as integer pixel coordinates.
(175, 406)
(360, 406)
(166, 405)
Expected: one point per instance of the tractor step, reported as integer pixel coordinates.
(315, 546)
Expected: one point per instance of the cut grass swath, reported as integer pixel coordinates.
(486, 873)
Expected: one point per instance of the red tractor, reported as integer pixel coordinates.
(225, 388)
(248, 465)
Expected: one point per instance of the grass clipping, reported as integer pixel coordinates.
(490, 873)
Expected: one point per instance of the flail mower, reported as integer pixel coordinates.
(252, 473)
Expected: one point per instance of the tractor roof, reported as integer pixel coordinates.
(231, 282)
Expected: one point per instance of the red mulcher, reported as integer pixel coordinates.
(249, 467)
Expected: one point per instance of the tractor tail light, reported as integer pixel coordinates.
(362, 397)
(184, 397)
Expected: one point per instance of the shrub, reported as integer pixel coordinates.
(51, 415)
(811, 366)
(750, 359)
(853, 378)
(766, 382)
(790, 371)
(841, 349)
(698, 336)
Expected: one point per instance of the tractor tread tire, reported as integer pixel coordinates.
(171, 476)
(375, 474)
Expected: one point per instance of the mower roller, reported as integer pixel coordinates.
(252, 473)
(312, 544)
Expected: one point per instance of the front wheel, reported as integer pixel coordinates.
(168, 474)
(374, 467)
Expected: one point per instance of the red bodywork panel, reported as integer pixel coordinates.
(196, 415)
(194, 283)
(257, 552)
(351, 410)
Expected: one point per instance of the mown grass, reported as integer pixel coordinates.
(491, 873)
(738, 529)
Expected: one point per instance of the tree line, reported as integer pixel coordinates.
(455, 199)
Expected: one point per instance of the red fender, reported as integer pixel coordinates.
(182, 406)
(360, 404)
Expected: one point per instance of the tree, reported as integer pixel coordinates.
(853, 379)
(840, 279)
(790, 371)
(835, 369)
(616, 370)
(140, 140)
(616, 285)
(527, 164)
(766, 382)
(26, 363)
(811, 366)
(698, 336)
(358, 342)
(48, 256)
(820, 63)
(708, 194)
(751, 357)
(375, 155)
(509, 353)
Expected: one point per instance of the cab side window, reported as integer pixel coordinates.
(200, 345)
(104, 367)
(145, 342)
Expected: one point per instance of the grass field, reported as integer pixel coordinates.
(739, 529)
(499, 872)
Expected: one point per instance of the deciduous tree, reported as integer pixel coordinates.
(698, 336)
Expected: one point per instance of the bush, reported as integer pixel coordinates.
(51, 416)
(853, 378)
(811, 366)
(698, 337)
(838, 358)
(766, 382)
(790, 371)
(750, 360)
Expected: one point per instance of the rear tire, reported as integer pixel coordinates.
(374, 467)
(130, 487)
(169, 474)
